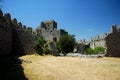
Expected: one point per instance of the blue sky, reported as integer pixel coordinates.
(83, 18)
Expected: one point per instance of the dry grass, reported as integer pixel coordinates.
(71, 68)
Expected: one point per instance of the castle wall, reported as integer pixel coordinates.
(23, 42)
(98, 43)
(113, 43)
(5, 39)
(49, 30)
(5, 35)
(15, 37)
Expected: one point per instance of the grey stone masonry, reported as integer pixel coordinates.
(16, 38)
(48, 30)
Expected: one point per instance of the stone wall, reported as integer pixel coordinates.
(113, 42)
(15, 37)
(5, 36)
(23, 42)
(98, 41)
(48, 30)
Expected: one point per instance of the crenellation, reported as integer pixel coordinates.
(24, 26)
(48, 30)
(19, 39)
(19, 25)
(14, 21)
(1, 13)
(14, 38)
(7, 16)
(29, 29)
(113, 29)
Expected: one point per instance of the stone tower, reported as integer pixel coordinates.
(49, 25)
(49, 32)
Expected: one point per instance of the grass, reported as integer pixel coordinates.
(71, 68)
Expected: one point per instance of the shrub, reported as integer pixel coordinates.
(40, 46)
(66, 43)
(98, 50)
(46, 50)
(39, 50)
(89, 51)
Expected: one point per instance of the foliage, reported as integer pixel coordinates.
(46, 50)
(39, 50)
(89, 51)
(98, 50)
(42, 47)
(66, 43)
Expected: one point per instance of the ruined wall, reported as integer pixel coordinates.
(113, 42)
(15, 37)
(49, 30)
(23, 42)
(5, 36)
(98, 41)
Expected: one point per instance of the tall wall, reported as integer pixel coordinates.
(113, 42)
(23, 42)
(5, 36)
(15, 38)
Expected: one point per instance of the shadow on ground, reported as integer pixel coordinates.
(11, 69)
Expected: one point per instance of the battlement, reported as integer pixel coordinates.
(114, 29)
(14, 36)
(13, 23)
(48, 25)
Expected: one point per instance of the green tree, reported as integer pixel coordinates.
(89, 51)
(66, 43)
(39, 49)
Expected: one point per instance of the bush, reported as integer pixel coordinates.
(89, 51)
(46, 51)
(40, 46)
(98, 50)
(66, 44)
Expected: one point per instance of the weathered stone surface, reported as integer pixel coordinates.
(96, 38)
(113, 44)
(1, 13)
(14, 38)
(110, 42)
(23, 42)
(20, 25)
(8, 17)
(5, 39)
(48, 30)
(14, 22)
